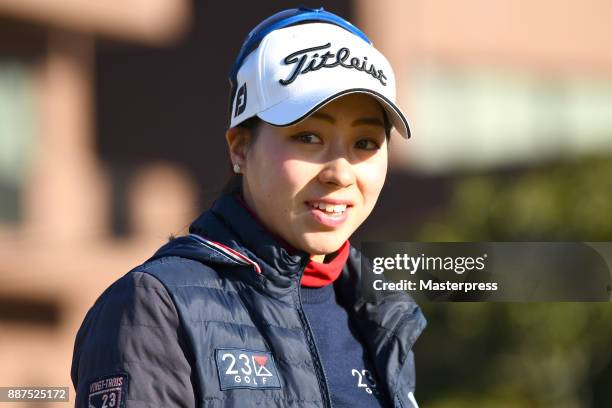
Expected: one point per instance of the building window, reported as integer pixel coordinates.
(17, 128)
(488, 117)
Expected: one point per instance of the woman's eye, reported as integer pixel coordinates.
(367, 144)
(308, 138)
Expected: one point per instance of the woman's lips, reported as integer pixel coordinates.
(328, 219)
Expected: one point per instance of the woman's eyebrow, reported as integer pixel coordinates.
(368, 121)
(361, 121)
(323, 116)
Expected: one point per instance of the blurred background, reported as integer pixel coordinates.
(112, 117)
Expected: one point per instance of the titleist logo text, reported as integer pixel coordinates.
(308, 59)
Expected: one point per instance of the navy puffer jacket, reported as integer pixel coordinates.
(214, 319)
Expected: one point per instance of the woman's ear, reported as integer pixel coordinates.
(238, 139)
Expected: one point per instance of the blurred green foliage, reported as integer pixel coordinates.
(531, 354)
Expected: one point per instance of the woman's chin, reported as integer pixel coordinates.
(321, 243)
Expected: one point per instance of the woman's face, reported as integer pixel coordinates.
(315, 182)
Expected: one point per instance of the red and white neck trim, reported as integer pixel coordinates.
(228, 252)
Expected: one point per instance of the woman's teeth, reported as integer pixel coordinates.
(330, 208)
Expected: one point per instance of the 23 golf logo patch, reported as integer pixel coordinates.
(240, 368)
(108, 392)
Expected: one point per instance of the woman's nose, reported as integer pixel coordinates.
(338, 172)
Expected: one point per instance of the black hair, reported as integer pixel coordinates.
(250, 124)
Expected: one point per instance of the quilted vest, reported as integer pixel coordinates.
(237, 294)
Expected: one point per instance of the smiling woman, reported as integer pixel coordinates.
(255, 305)
(315, 182)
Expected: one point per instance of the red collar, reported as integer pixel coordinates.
(319, 274)
(316, 274)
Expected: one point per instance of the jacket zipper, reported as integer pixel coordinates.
(312, 345)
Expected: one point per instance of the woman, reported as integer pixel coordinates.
(265, 302)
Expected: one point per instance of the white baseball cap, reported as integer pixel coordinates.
(296, 70)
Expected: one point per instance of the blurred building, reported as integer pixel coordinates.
(497, 83)
(56, 248)
(112, 115)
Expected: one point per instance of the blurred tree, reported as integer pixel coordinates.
(530, 354)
